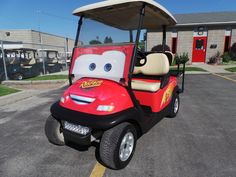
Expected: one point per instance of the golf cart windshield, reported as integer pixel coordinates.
(108, 36)
(103, 51)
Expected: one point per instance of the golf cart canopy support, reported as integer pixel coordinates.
(124, 14)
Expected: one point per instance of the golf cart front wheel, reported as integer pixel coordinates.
(174, 107)
(53, 131)
(117, 146)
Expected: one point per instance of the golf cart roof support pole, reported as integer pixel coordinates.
(131, 37)
(80, 22)
(131, 69)
(142, 13)
(164, 38)
(183, 79)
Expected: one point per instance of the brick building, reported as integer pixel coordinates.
(33, 39)
(201, 35)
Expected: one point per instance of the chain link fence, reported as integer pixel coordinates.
(20, 60)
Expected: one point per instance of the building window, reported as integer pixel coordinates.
(227, 43)
(199, 44)
(174, 45)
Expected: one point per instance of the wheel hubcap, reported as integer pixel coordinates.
(126, 147)
(60, 134)
(176, 105)
(20, 77)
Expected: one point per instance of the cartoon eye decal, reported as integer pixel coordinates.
(92, 66)
(107, 67)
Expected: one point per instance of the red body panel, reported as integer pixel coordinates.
(104, 92)
(199, 49)
(111, 93)
(126, 49)
(158, 100)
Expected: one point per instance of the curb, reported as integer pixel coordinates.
(15, 97)
(196, 72)
(33, 82)
(25, 94)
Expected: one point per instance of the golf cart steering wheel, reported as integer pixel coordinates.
(141, 58)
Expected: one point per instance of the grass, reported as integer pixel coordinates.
(7, 90)
(233, 69)
(48, 77)
(191, 69)
(231, 62)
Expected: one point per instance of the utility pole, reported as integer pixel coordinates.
(41, 42)
(3, 56)
(4, 61)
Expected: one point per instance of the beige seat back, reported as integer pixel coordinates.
(157, 64)
(32, 61)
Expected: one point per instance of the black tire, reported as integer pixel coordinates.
(18, 76)
(111, 142)
(2, 77)
(41, 73)
(53, 131)
(174, 109)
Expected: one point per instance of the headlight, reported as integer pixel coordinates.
(106, 108)
(62, 99)
(76, 128)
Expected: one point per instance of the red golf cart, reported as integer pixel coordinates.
(118, 90)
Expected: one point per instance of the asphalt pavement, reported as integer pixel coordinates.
(199, 142)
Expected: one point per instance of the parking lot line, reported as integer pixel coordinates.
(98, 170)
(227, 78)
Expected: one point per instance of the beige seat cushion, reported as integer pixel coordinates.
(26, 67)
(50, 64)
(54, 61)
(145, 86)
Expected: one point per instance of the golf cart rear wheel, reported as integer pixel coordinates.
(18, 76)
(174, 108)
(53, 131)
(117, 146)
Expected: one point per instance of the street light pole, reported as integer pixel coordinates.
(41, 41)
(4, 61)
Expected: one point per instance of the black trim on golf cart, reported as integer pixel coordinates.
(144, 121)
(71, 137)
(90, 120)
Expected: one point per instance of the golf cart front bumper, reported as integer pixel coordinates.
(97, 124)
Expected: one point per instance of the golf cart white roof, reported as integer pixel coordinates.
(47, 50)
(124, 14)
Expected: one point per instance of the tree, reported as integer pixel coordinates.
(94, 41)
(108, 40)
(159, 48)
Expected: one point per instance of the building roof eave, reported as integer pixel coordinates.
(206, 24)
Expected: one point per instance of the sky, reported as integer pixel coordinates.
(55, 16)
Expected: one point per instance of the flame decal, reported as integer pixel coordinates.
(167, 94)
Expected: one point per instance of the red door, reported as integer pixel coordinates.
(199, 49)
